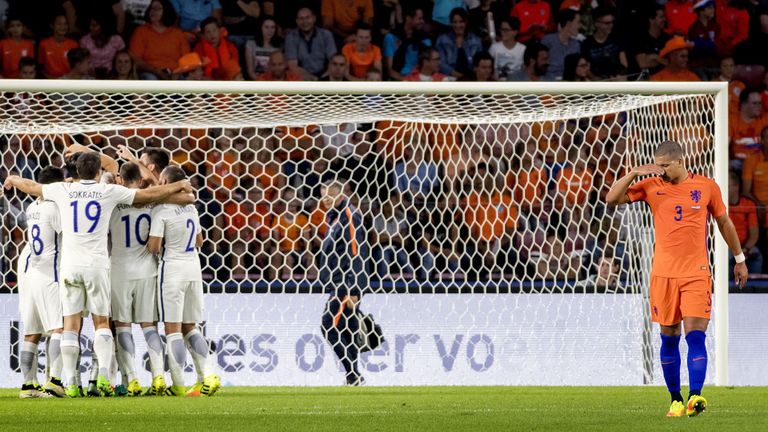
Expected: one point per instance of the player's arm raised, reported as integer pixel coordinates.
(618, 193)
(147, 174)
(27, 186)
(107, 163)
(159, 193)
(728, 231)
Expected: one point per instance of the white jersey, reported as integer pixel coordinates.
(129, 229)
(43, 228)
(85, 209)
(178, 226)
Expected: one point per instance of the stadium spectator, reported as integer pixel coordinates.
(535, 64)
(79, 60)
(441, 14)
(553, 263)
(106, 10)
(675, 52)
(735, 87)
(577, 68)
(338, 69)
(374, 74)
(458, 46)
(223, 58)
(103, 43)
(754, 176)
(191, 67)
(288, 231)
(508, 52)
(52, 52)
(342, 16)
(479, 20)
(428, 68)
(743, 213)
(192, 12)
(308, 48)
(606, 280)
(277, 70)
(644, 51)
(401, 46)
(733, 21)
(157, 46)
(703, 33)
(361, 54)
(241, 17)
(680, 15)
(265, 42)
(574, 179)
(123, 67)
(482, 67)
(27, 68)
(744, 128)
(603, 49)
(14, 47)
(535, 19)
(562, 42)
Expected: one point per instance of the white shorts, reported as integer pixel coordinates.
(181, 302)
(84, 289)
(134, 301)
(40, 305)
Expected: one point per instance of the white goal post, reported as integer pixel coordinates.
(639, 114)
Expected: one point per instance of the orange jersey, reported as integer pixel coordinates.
(744, 216)
(13, 51)
(745, 137)
(346, 13)
(360, 62)
(680, 16)
(667, 74)
(527, 185)
(490, 217)
(537, 15)
(575, 184)
(53, 56)
(289, 230)
(756, 171)
(680, 216)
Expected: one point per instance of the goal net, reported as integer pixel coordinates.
(489, 253)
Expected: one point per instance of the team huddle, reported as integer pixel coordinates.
(93, 249)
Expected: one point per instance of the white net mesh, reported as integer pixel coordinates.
(490, 256)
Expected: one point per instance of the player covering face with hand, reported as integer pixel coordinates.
(681, 283)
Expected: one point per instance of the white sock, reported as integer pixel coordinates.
(176, 353)
(104, 347)
(198, 347)
(126, 354)
(155, 350)
(93, 374)
(53, 353)
(36, 364)
(70, 358)
(27, 362)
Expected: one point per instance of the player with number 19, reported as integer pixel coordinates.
(85, 209)
(176, 235)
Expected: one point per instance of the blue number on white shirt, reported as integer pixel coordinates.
(190, 243)
(94, 218)
(37, 242)
(137, 229)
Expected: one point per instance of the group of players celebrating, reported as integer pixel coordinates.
(93, 249)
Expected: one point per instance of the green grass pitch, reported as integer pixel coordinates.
(419, 409)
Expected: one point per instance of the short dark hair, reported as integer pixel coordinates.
(362, 25)
(210, 20)
(669, 148)
(174, 173)
(27, 61)
(410, 10)
(50, 174)
(513, 22)
(70, 163)
(77, 55)
(532, 52)
(130, 172)
(565, 16)
(88, 165)
(169, 13)
(744, 95)
(158, 157)
(425, 54)
(458, 11)
(602, 11)
(480, 56)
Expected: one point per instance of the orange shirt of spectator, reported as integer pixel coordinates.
(360, 62)
(734, 27)
(535, 19)
(744, 217)
(574, 183)
(527, 184)
(755, 173)
(344, 14)
(161, 50)
(289, 229)
(224, 60)
(676, 52)
(744, 136)
(52, 54)
(667, 74)
(319, 220)
(490, 217)
(13, 50)
(680, 16)
(224, 171)
(680, 217)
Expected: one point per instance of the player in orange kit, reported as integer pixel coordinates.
(681, 284)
